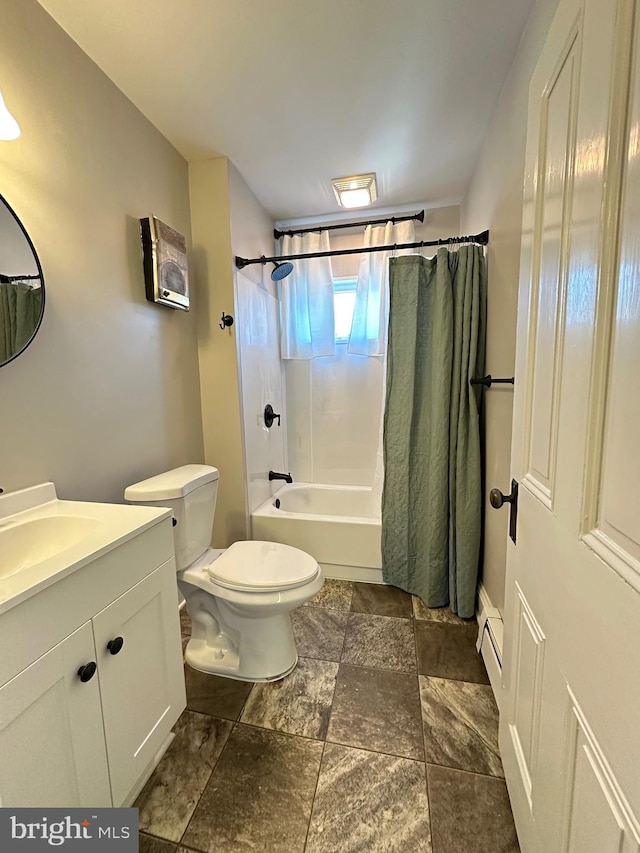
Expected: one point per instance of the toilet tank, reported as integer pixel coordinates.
(190, 492)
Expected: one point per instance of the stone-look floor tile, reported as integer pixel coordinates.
(169, 797)
(259, 797)
(215, 695)
(460, 725)
(449, 651)
(369, 803)
(299, 704)
(334, 595)
(380, 641)
(150, 844)
(381, 600)
(377, 709)
(319, 633)
(469, 813)
(436, 614)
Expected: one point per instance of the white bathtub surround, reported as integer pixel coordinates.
(261, 383)
(334, 413)
(338, 525)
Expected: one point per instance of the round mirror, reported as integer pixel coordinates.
(21, 286)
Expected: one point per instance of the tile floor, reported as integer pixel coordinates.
(384, 738)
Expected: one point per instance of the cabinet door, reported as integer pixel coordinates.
(52, 750)
(142, 685)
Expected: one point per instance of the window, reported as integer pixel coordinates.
(344, 300)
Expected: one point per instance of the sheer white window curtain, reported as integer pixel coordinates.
(306, 300)
(371, 313)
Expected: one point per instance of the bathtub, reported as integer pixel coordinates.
(338, 525)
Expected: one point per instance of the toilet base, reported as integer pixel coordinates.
(199, 656)
(238, 643)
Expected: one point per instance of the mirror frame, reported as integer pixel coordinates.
(40, 273)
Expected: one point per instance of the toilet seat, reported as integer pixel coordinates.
(256, 566)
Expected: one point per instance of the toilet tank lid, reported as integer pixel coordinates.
(171, 484)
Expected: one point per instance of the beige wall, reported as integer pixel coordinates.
(108, 392)
(227, 220)
(494, 201)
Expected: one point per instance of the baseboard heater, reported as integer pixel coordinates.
(489, 645)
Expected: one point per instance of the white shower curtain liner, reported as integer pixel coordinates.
(306, 300)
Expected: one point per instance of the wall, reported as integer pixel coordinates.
(334, 403)
(494, 201)
(227, 220)
(108, 392)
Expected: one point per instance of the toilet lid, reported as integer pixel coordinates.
(262, 565)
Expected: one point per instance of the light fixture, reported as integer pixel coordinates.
(356, 191)
(9, 128)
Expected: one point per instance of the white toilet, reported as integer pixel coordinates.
(239, 598)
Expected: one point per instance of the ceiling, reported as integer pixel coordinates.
(296, 92)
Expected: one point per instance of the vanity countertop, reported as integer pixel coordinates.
(44, 539)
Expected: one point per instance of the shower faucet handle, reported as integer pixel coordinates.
(270, 416)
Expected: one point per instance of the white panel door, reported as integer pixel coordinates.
(569, 731)
(142, 684)
(51, 729)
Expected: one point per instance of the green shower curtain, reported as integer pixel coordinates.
(20, 310)
(431, 499)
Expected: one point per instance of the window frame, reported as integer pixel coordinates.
(343, 284)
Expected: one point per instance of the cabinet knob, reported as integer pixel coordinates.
(115, 645)
(86, 672)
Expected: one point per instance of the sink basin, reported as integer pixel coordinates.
(44, 539)
(30, 542)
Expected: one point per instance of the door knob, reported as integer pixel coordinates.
(115, 645)
(86, 672)
(498, 499)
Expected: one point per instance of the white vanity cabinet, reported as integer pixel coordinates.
(142, 685)
(69, 742)
(52, 750)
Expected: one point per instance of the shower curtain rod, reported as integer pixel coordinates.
(482, 240)
(320, 228)
(7, 279)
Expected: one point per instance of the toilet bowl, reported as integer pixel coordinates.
(238, 598)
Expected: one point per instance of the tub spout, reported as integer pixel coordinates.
(275, 475)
